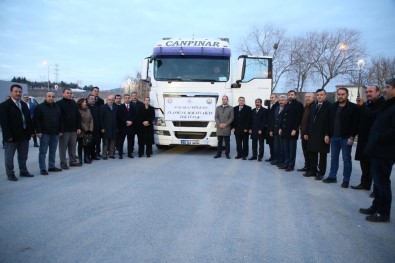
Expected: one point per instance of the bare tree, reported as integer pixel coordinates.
(141, 87)
(265, 41)
(335, 53)
(379, 70)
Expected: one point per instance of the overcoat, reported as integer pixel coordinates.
(108, 121)
(318, 127)
(258, 123)
(224, 114)
(146, 132)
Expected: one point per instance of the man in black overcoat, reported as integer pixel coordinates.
(270, 139)
(126, 116)
(257, 131)
(108, 121)
(240, 126)
(136, 105)
(367, 114)
(317, 135)
(96, 134)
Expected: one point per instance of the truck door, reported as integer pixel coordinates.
(253, 79)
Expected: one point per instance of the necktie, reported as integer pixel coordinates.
(127, 107)
(18, 103)
(257, 110)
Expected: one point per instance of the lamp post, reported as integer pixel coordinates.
(360, 64)
(129, 83)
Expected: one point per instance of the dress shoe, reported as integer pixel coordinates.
(283, 167)
(98, 155)
(304, 169)
(289, 169)
(104, 158)
(378, 218)
(43, 172)
(252, 158)
(372, 195)
(367, 211)
(274, 162)
(269, 160)
(360, 187)
(318, 177)
(112, 157)
(329, 180)
(148, 156)
(95, 158)
(345, 185)
(26, 175)
(227, 156)
(55, 169)
(75, 164)
(130, 156)
(217, 156)
(309, 174)
(140, 155)
(238, 157)
(64, 167)
(120, 157)
(244, 158)
(12, 177)
(259, 159)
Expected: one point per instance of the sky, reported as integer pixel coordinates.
(102, 43)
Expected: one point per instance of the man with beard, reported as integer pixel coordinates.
(96, 136)
(240, 127)
(309, 99)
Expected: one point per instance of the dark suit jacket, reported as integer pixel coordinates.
(136, 107)
(292, 117)
(348, 120)
(318, 127)
(241, 119)
(275, 123)
(147, 132)
(123, 116)
(12, 122)
(258, 122)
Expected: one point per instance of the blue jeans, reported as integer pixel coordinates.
(289, 146)
(337, 144)
(51, 142)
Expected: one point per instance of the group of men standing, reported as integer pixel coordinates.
(59, 123)
(324, 127)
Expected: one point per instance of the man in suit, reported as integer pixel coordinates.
(240, 126)
(317, 135)
(309, 100)
(270, 139)
(224, 118)
(136, 105)
(343, 128)
(98, 103)
(108, 120)
(17, 127)
(289, 130)
(367, 114)
(381, 150)
(96, 134)
(125, 120)
(274, 126)
(257, 131)
(31, 107)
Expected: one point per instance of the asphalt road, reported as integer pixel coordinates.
(181, 205)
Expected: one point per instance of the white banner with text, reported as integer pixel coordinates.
(189, 108)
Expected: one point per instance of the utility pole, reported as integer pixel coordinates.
(56, 72)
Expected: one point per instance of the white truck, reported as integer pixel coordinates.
(188, 78)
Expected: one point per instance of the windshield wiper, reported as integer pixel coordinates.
(205, 80)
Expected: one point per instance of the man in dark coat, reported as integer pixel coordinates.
(136, 105)
(96, 134)
(317, 135)
(108, 121)
(381, 149)
(289, 130)
(258, 129)
(126, 115)
(343, 128)
(367, 114)
(98, 103)
(146, 118)
(274, 127)
(72, 127)
(17, 127)
(270, 139)
(240, 126)
(49, 126)
(309, 99)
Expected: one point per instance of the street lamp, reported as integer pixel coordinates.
(46, 63)
(129, 83)
(360, 64)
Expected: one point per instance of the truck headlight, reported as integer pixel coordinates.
(159, 121)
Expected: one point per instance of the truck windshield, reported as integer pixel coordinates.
(192, 68)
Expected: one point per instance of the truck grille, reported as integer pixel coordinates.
(190, 135)
(190, 123)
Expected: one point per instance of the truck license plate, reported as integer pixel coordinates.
(190, 142)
